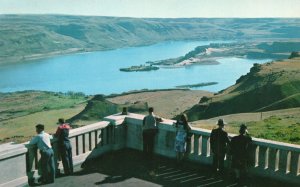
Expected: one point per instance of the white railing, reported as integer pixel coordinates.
(268, 158)
(87, 142)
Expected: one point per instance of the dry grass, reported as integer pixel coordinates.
(166, 104)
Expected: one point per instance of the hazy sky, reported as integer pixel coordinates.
(156, 8)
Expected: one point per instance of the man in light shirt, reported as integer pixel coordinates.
(149, 131)
(42, 140)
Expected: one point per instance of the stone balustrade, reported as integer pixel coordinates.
(268, 158)
(87, 142)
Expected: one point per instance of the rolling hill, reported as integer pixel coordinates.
(26, 37)
(270, 86)
(99, 106)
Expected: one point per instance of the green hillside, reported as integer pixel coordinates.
(25, 37)
(18, 104)
(21, 111)
(279, 125)
(271, 86)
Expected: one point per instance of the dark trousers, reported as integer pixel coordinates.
(218, 162)
(48, 168)
(241, 165)
(148, 142)
(65, 150)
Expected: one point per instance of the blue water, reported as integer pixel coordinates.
(98, 72)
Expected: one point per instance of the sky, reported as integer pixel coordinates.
(156, 8)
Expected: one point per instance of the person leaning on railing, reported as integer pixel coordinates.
(42, 140)
(64, 146)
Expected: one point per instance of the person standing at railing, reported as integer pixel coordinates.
(182, 128)
(239, 148)
(42, 140)
(64, 146)
(219, 141)
(149, 131)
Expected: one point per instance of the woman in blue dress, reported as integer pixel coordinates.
(182, 128)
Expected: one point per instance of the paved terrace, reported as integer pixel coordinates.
(112, 148)
(130, 168)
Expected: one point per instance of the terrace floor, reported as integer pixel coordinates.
(130, 168)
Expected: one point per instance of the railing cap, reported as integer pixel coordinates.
(166, 124)
(116, 119)
(88, 128)
(11, 149)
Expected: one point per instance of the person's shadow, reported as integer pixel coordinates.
(111, 179)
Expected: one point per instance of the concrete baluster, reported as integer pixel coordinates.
(205, 146)
(80, 145)
(73, 144)
(90, 141)
(283, 161)
(294, 167)
(196, 144)
(93, 140)
(272, 160)
(200, 145)
(263, 158)
(99, 137)
(86, 142)
(208, 147)
(191, 144)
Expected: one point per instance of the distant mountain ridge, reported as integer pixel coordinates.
(270, 86)
(25, 37)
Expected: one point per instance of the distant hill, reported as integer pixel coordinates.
(25, 37)
(271, 86)
(98, 107)
(207, 54)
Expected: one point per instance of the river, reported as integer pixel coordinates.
(98, 72)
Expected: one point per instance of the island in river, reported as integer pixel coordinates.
(187, 86)
(139, 68)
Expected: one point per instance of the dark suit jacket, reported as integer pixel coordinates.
(219, 141)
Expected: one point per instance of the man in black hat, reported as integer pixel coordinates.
(64, 146)
(239, 148)
(218, 142)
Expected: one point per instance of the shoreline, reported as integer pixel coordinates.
(19, 60)
(108, 95)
